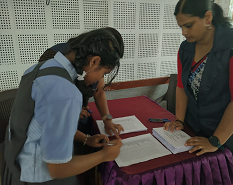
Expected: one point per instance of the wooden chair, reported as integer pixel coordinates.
(170, 95)
(6, 102)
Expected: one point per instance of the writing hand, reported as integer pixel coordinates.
(84, 113)
(94, 140)
(111, 152)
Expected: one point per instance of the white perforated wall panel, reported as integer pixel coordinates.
(9, 79)
(146, 70)
(148, 28)
(5, 17)
(61, 37)
(149, 16)
(169, 21)
(7, 52)
(148, 45)
(29, 14)
(168, 67)
(126, 73)
(95, 14)
(129, 44)
(65, 14)
(170, 43)
(29, 51)
(124, 14)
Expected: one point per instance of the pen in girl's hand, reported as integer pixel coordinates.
(107, 143)
(110, 143)
(89, 111)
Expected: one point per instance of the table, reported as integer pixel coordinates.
(183, 168)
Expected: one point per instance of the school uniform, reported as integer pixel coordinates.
(84, 124)
(43, 122)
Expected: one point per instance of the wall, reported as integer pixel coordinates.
(148, 27)
(149, 30)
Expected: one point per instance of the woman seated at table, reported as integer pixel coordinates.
(96, 90)
(204, 90)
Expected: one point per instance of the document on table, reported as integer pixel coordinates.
(139, 149)
(129, 123)
(174, 141)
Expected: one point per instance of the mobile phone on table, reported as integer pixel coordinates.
(158, 120)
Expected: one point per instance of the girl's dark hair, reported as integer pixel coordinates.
(200, 7)
(48, 54)
(104, 42)
(100, 42)
(64, 48)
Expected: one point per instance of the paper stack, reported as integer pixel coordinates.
(174, 141)
(139, 149)
(129, 123)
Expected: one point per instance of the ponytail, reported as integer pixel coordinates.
(218, 17)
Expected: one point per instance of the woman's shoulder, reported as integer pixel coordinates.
(229, 30)
(231, 53)
(224, 34)
(185, 45)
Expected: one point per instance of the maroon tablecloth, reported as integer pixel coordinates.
(211, 168)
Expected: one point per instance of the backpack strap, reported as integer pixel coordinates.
(55, 71)
(58, 71)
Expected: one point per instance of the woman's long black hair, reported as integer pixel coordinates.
(200, 7)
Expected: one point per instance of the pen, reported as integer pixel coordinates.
(110, 144)
(89, 111)
(107, 143)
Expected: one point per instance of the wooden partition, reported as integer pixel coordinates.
(137, 83)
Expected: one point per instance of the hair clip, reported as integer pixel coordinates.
(81, 77)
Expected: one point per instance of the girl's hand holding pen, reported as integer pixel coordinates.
(94, 140)
(109, 143)
(85, 112)
(110, 153)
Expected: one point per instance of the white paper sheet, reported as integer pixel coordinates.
(139, 149)
(129, 123)
(174, 141)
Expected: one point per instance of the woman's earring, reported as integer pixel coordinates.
(208, 26)
(81, 77)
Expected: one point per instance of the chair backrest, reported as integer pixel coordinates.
(170, 95)
(6, 102)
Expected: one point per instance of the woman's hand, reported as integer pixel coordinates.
(111, 152)
(84, 113)
(200, 144)
(174, 125)
(111, 128)
(94, 140)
